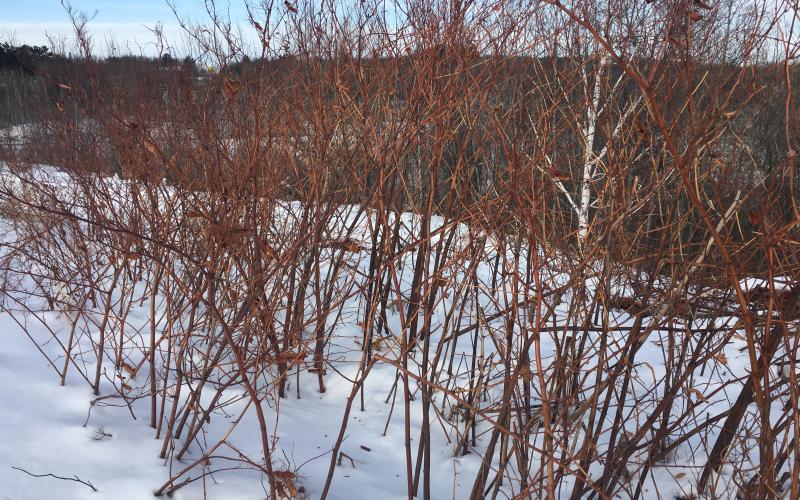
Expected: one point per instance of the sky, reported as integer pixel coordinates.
(125, 22)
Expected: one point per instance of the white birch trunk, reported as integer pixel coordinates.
(589, 130)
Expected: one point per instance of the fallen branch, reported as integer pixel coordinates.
(73, 478)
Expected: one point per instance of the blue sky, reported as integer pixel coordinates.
(124, 21)
(121, 11)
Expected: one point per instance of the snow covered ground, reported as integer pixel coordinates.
(68, 432)
(44, 433)
(48, 429)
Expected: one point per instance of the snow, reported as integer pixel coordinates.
(44, 433)
(49, 429)
(47, 432)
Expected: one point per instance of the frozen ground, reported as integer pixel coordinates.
(46, 432)
(49, 429)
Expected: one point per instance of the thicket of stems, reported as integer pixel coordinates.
(517, 204)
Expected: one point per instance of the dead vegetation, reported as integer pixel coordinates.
(520, 207)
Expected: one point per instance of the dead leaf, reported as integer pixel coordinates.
(285, 483)
(283, 475)
(267, 249)
(695, 16)
(348, 245)
(559, 175)
(291, 357)
(291, 7)
(230, 87)
(128, 368)
(149, 146)
(699, 395)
